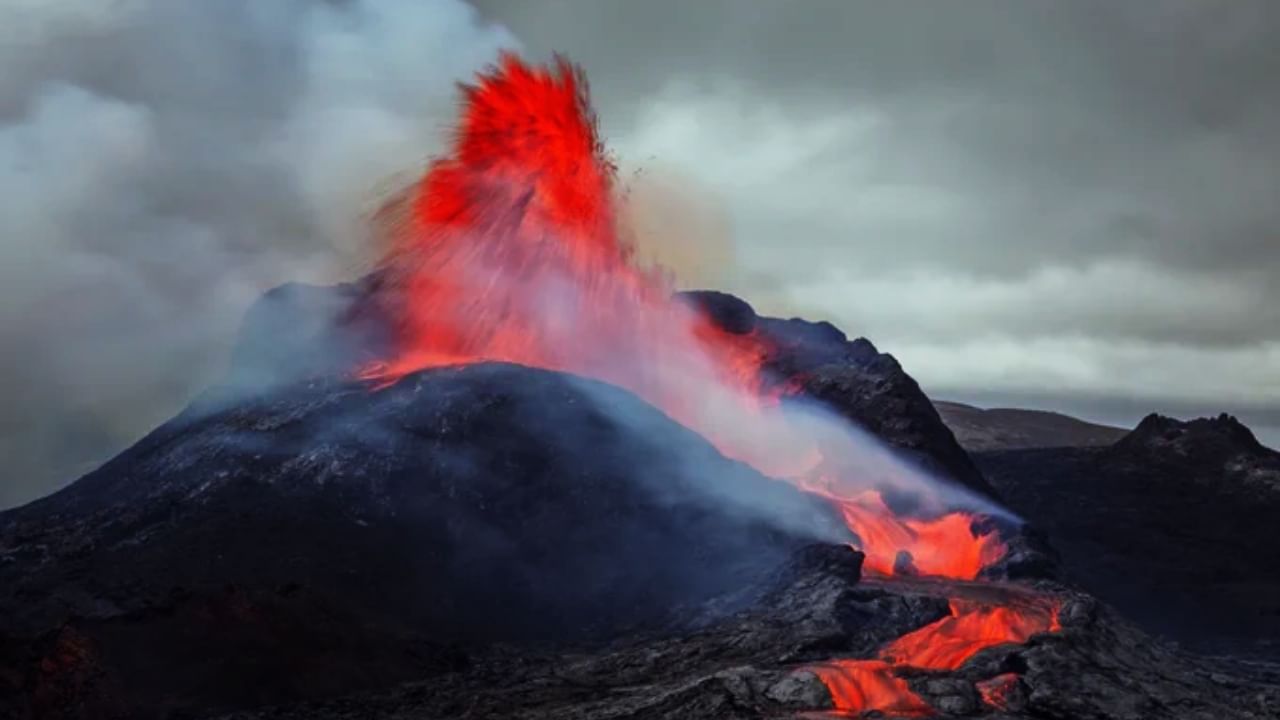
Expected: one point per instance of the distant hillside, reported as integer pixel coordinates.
(1174, 524)
(980, 430)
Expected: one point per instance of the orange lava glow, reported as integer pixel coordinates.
(945, 546)
(866, 685)
(509, 249)
(949, 642)
(995, 691)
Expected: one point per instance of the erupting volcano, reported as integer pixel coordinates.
(510, 248)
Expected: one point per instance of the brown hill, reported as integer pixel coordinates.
(980, 430)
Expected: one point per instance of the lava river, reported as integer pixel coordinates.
(511, 248)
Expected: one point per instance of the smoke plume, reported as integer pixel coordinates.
(162, 163)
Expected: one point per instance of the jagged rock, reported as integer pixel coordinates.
(1097, 667)
(320, 540)
(801, 690)
(338, 329)
(1172, 524)
(730, 312)
(863, 385)
(1209, 439)
(326, 538)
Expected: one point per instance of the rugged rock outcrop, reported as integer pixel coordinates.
(1174, 524)
(756, 665)
(324, 539)
(300, 331)
(862, 384)
(519, 543)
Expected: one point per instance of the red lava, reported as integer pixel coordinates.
(509, 249)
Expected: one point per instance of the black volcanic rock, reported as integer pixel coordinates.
(1211, 441)
(325, 538)
(754, 666)
(861, 384)
(518, 544)
(337, 329)
(878, 396)
(729, 312)
(1174, 524)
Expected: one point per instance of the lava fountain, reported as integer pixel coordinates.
(509, 248)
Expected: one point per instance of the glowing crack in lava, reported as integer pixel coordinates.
(510, 249)
(866, 685)
(996, 691)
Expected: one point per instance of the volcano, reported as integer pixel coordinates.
(515, 469)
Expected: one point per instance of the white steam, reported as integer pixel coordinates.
(162, 162)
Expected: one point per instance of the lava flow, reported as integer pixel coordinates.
(945, 546)
(867, 685)
(510, 249)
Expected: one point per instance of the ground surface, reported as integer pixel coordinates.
(512, 542)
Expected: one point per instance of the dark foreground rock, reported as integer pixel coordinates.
(754, 665)
(498, 542)
(514, 543)
(324, 539)
(1174, 524)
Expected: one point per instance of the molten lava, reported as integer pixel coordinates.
(510, 249)
(866, 685)
(996, 691)
(945, 546)
(949, 642)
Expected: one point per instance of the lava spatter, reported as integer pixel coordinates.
(509, 249)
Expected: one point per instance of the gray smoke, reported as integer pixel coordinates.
(162, 162)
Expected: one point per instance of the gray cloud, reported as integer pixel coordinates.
(1020, 199)
(162, 163)
(1017, 198)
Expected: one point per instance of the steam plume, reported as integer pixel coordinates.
(162, 162)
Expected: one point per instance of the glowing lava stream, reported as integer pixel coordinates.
(510, 249)
(972, 626)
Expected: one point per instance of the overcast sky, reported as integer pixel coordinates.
(1056, 204)
(1047, 203)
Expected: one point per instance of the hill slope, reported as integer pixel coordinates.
(323, 539)
(979, 430)
(1174, 524)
